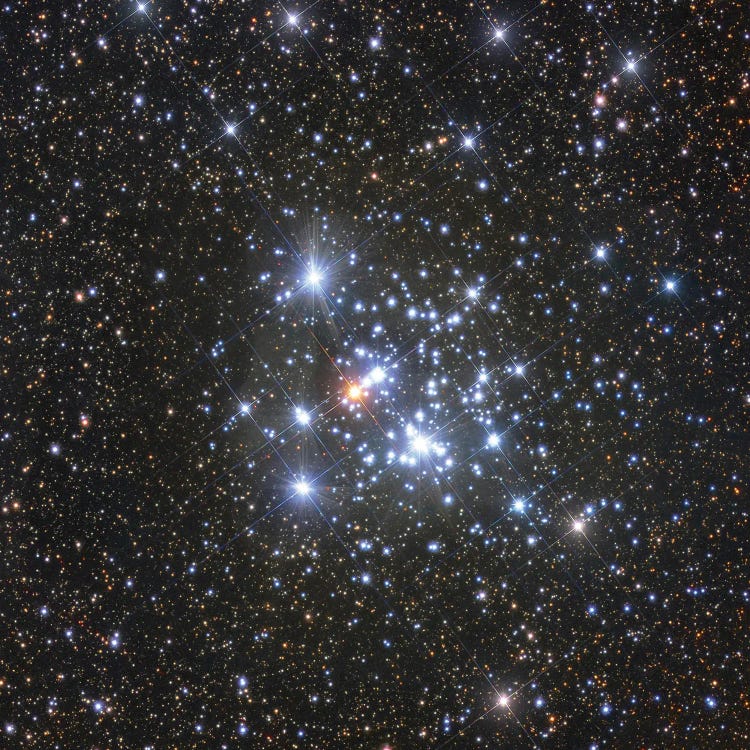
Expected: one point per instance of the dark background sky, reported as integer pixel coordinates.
(374, 375)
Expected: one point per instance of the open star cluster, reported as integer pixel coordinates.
(374, 375)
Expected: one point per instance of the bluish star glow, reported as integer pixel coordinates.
(374, 377)
(314, 277)
(302, 487)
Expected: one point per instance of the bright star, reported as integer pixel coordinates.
(493, 441)
(421, 444)
(302, 487)
(377, 375)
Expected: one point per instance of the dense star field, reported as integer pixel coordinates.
(375, 375)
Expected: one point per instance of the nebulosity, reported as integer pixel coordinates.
(374, 375)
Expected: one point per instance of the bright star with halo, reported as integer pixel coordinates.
(314, 277)
(302, 487)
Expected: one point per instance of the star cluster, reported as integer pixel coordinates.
(375, 375)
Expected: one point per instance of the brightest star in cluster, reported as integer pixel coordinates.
(314, 277)
(302, 487)
(421, 444)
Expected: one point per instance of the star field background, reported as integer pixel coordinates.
(374, 375)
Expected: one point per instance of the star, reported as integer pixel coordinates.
(302, 487)
(314, 277)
